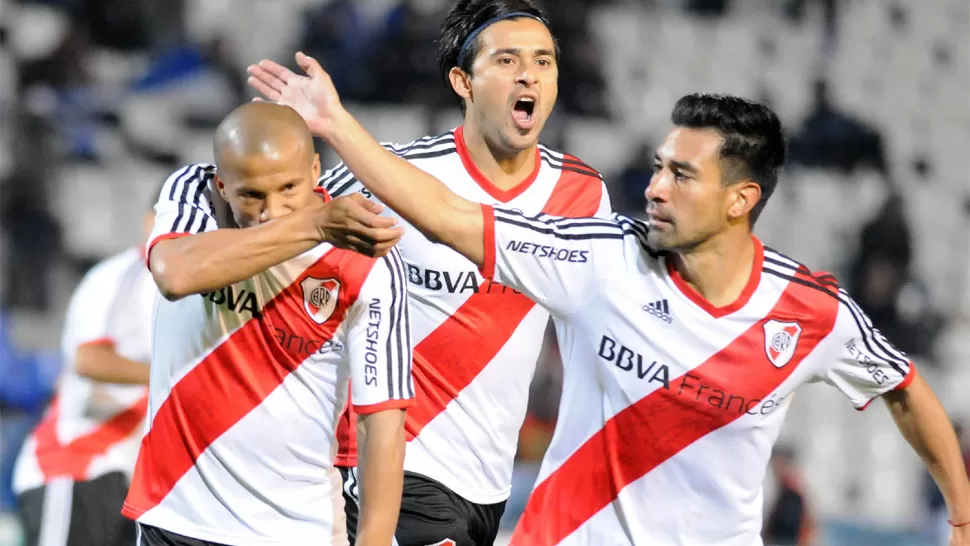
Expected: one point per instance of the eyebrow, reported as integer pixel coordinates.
(679, 165)
(517, 51)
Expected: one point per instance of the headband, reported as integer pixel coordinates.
(474, 34)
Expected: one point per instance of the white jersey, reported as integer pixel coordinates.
(93, 428)
(476, 342)
(670, 406)
(248, 382)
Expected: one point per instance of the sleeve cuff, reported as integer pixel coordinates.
(488, 229)
(322, 192)
(155, 241)
(910, 375)
(101, 341)
(383, 406)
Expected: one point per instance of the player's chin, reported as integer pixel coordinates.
(660, 241)
(523, 138)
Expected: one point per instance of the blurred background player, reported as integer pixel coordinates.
(789, 521)
(476, 343)
(73, 472)
(251, 367)
(649, 408)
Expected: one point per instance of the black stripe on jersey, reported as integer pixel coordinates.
(397, 268)
(786, 265)
(877, 338)
(342, 179)
(177, 180)
(422, 144)
(430, 155)
(618, 233)
(334, 178)
(552, 162)
(842, 298)
(184, 183)
(565, 160)
(392, 317)
(640, 230)
(340, 191)
(203, 184)
(409, 363)
(781, 258)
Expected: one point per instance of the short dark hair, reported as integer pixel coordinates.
(464, 18)
(754, 144)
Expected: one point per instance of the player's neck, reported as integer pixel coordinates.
(720, 268)
(503, 169)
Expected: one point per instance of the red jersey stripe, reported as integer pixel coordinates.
(447, 361)
(74, 458)
(656, 428)
(235, 378)
(449, 358)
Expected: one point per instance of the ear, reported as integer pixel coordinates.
(746, 195)
(461, 82)
(221, 186)
(315, 168)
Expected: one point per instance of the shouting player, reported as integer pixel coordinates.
(476, 342)
(250, 367)
(667, 419)
(73, 472)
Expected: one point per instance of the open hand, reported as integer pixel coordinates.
(312, 95)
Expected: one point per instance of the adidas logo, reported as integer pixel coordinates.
(660, 309)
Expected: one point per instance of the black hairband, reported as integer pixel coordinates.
(474, 34)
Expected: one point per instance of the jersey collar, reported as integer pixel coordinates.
(499, 194)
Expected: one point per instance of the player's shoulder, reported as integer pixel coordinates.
(109, 272)
(338, 180)
(191, 178)
(781, 267)
(569, 164)
(429, 147)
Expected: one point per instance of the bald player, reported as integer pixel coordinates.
(260, 331)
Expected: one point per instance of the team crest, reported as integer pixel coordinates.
(781, 338)
(320, 297)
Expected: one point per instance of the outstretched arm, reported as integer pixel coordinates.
(925, 425)
(866, 366)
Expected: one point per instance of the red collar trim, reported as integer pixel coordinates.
(717, 312)
(498, 193)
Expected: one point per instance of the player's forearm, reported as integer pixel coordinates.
(205, 262)
(102, 363)
(381, 462)
(421, 199)
(925, 425)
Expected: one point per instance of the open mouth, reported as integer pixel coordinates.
(523, 110)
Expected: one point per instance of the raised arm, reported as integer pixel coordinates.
(440, 214)
(189, 254)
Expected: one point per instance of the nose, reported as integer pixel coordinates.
(527, 76)
(657, 188)
(273, 207)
